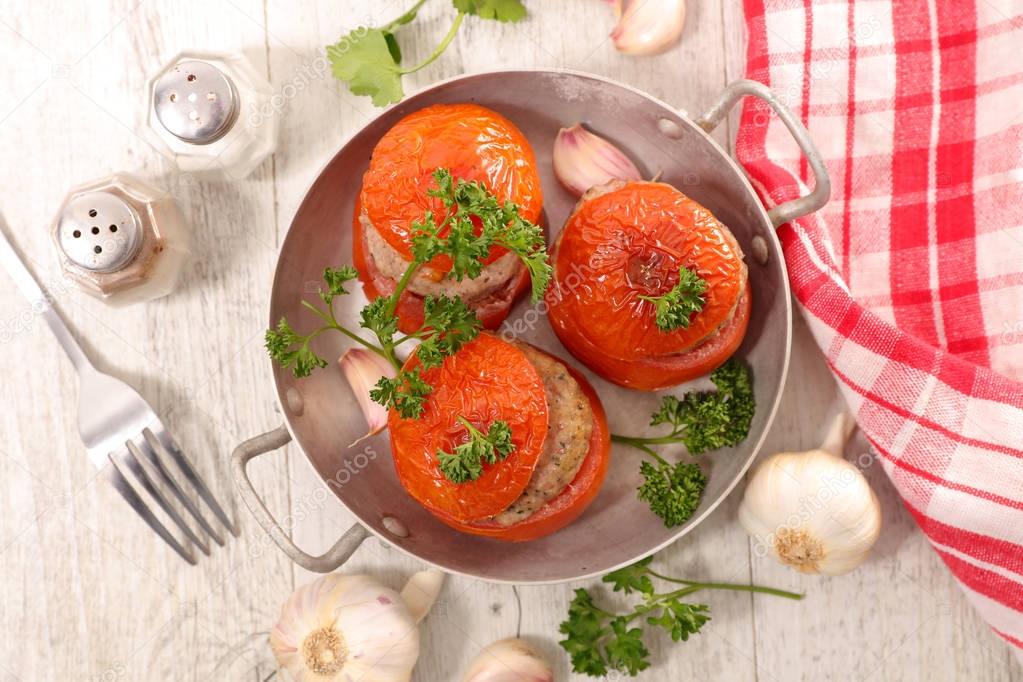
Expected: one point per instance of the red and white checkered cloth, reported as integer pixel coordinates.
(912, 277)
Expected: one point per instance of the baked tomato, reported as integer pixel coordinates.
(567, 506)
(627, 240)
(475, 144)
(485, 381)
(491, 310)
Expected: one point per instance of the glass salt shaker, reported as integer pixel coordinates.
(121, 239)
(210, 113)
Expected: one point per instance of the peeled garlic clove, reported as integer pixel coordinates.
(421, 590)
(583, 160)
(812, 511)
(509, 660)
(648, 26)
(346, 627)
(363, 369)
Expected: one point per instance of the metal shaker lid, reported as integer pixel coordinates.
(195, 101)
(99, 231)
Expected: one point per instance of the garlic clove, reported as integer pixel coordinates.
(421, 591)
(648, 27)
(812, 511)
(509, 660)
(363, 369)
(583, 160)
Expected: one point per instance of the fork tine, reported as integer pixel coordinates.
(134, 463)
(167, 441)
(147, 445)
(122, 486)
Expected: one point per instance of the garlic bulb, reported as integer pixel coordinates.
(363, 369)
(509, 660)
(648, 26)
(348, 627)
(813, 511)
(583, 160)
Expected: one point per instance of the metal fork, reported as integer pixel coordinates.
(118, 426)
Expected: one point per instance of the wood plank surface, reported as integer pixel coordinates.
(86, 591)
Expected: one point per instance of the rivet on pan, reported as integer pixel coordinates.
(760, 253)
(296, 405)
(669, 128)
(395, 527)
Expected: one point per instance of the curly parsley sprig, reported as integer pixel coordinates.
(369, 59)
(448, 324)
(701, 421)
(466, 462)
(599, 641)
(674, 308)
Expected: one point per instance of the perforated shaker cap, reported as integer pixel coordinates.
(195, 101)
(99, 231)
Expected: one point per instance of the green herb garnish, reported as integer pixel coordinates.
(369, 59)
(448, 324)
(599, 641)
(674, 308)
(702, 421)
(466, 462)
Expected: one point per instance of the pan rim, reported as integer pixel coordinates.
(676, 115)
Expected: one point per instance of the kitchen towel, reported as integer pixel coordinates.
(911, 277)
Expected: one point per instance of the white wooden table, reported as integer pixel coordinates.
(89, 594)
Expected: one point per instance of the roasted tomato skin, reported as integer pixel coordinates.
(658, 373)
(572, 501)
(492, 311)
(625, 241)
(473, 142)
(487, 380)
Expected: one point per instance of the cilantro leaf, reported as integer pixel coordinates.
(632, 578)
(466, 462)
(674, 308)
(364, 59)
(501, 10)
(289, 349)
(672, 491)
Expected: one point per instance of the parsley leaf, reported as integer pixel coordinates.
(599, 641)
(364, 59)
(466, 462)
(674, 308)
(406, 393)
(501, 10)
(290, 349)
(672, 491)
(336, 278)
(453, 325)
(475, 223)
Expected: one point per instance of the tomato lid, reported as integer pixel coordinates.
(631, 241)
(475, 143)
(487, 380)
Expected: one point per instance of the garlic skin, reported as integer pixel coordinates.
(363, 368)
(648, 27)
(509, 660)
(344, 628)
(583, 160)
(813, 511)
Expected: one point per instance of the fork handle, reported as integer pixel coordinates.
(40, 302)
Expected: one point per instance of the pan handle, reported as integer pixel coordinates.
(790, 210)
(325, 563)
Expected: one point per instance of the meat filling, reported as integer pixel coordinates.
(430, 282)
(569, 428)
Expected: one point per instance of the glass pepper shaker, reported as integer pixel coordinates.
(121, 239)
(210, 113)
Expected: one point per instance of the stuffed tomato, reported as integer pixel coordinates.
(559, 439)
(475, 144)
(624, 249)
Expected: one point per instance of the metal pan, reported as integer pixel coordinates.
(321, 416)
